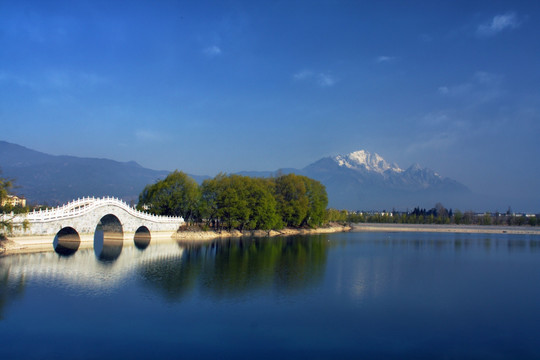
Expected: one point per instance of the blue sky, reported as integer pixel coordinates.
(226, 86)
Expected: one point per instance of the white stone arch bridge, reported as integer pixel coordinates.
(83, 218)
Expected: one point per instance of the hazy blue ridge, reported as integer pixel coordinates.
(51, 179)
(44, 178)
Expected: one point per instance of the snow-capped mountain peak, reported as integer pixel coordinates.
(363, 159)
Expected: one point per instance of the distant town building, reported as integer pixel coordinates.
(14, 200)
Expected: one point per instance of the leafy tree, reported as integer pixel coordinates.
(262, 203)
(176, 195)
(292, 199)
(241, 202)
(232, 202)
(468, 218)
(486, 219)
(458, 217)
(317, 202)
(442, 214)
(5, 222)
(5, 187)
(334, 215)
(209, 207)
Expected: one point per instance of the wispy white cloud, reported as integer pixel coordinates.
(436, 118)
(384, 59)
(498, 24)
(302, 75)
(59, 79)
(326, 80)
(482, 87)
(9, 78)
(212, 51)
(149, 135)
(322, 79)
(439, 130)
(432, 142)
(54, 79)
(28, 25)
(444, 90)
(474, 110)
(92, 79)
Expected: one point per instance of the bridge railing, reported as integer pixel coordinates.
(86, 204)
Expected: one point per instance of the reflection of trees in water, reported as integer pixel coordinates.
(238, 266)
(173, 277)
(10, 289)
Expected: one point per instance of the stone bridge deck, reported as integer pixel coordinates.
(84, 219)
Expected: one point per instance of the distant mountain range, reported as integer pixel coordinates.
(359, 180)
(51, 179)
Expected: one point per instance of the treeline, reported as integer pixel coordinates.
(437, 215)
(239, 202)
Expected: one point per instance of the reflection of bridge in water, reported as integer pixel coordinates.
(85, 269)
(102, 223)
(220, 268)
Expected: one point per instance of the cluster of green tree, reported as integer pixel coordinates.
(5, 190)
(440, 215)
(5, 186)
(15, 209)
(6, 209)
(239, 202)
(338, 216)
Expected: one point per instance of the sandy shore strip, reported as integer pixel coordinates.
(470, 229)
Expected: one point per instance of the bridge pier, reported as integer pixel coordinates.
(39, 243)
(88, 220)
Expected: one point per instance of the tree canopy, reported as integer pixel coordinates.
(239, 202)
(176, 195)
(5, 187)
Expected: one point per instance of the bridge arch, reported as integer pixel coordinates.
(67, 241)
(142, 238)
(108, 238)
(40, 228)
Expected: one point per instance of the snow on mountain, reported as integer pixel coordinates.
(365, 180)
(363, 159)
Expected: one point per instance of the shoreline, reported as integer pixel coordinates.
(210, 235)
(10, 246)
(436, 228)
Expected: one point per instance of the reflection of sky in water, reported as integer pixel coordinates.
(349, 295)
(378, 264)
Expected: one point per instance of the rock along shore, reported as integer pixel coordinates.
(210, 235)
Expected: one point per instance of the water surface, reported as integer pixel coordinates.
(347, 295)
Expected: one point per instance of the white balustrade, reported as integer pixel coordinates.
(82, 206)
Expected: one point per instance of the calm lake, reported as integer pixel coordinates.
(343, 296)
